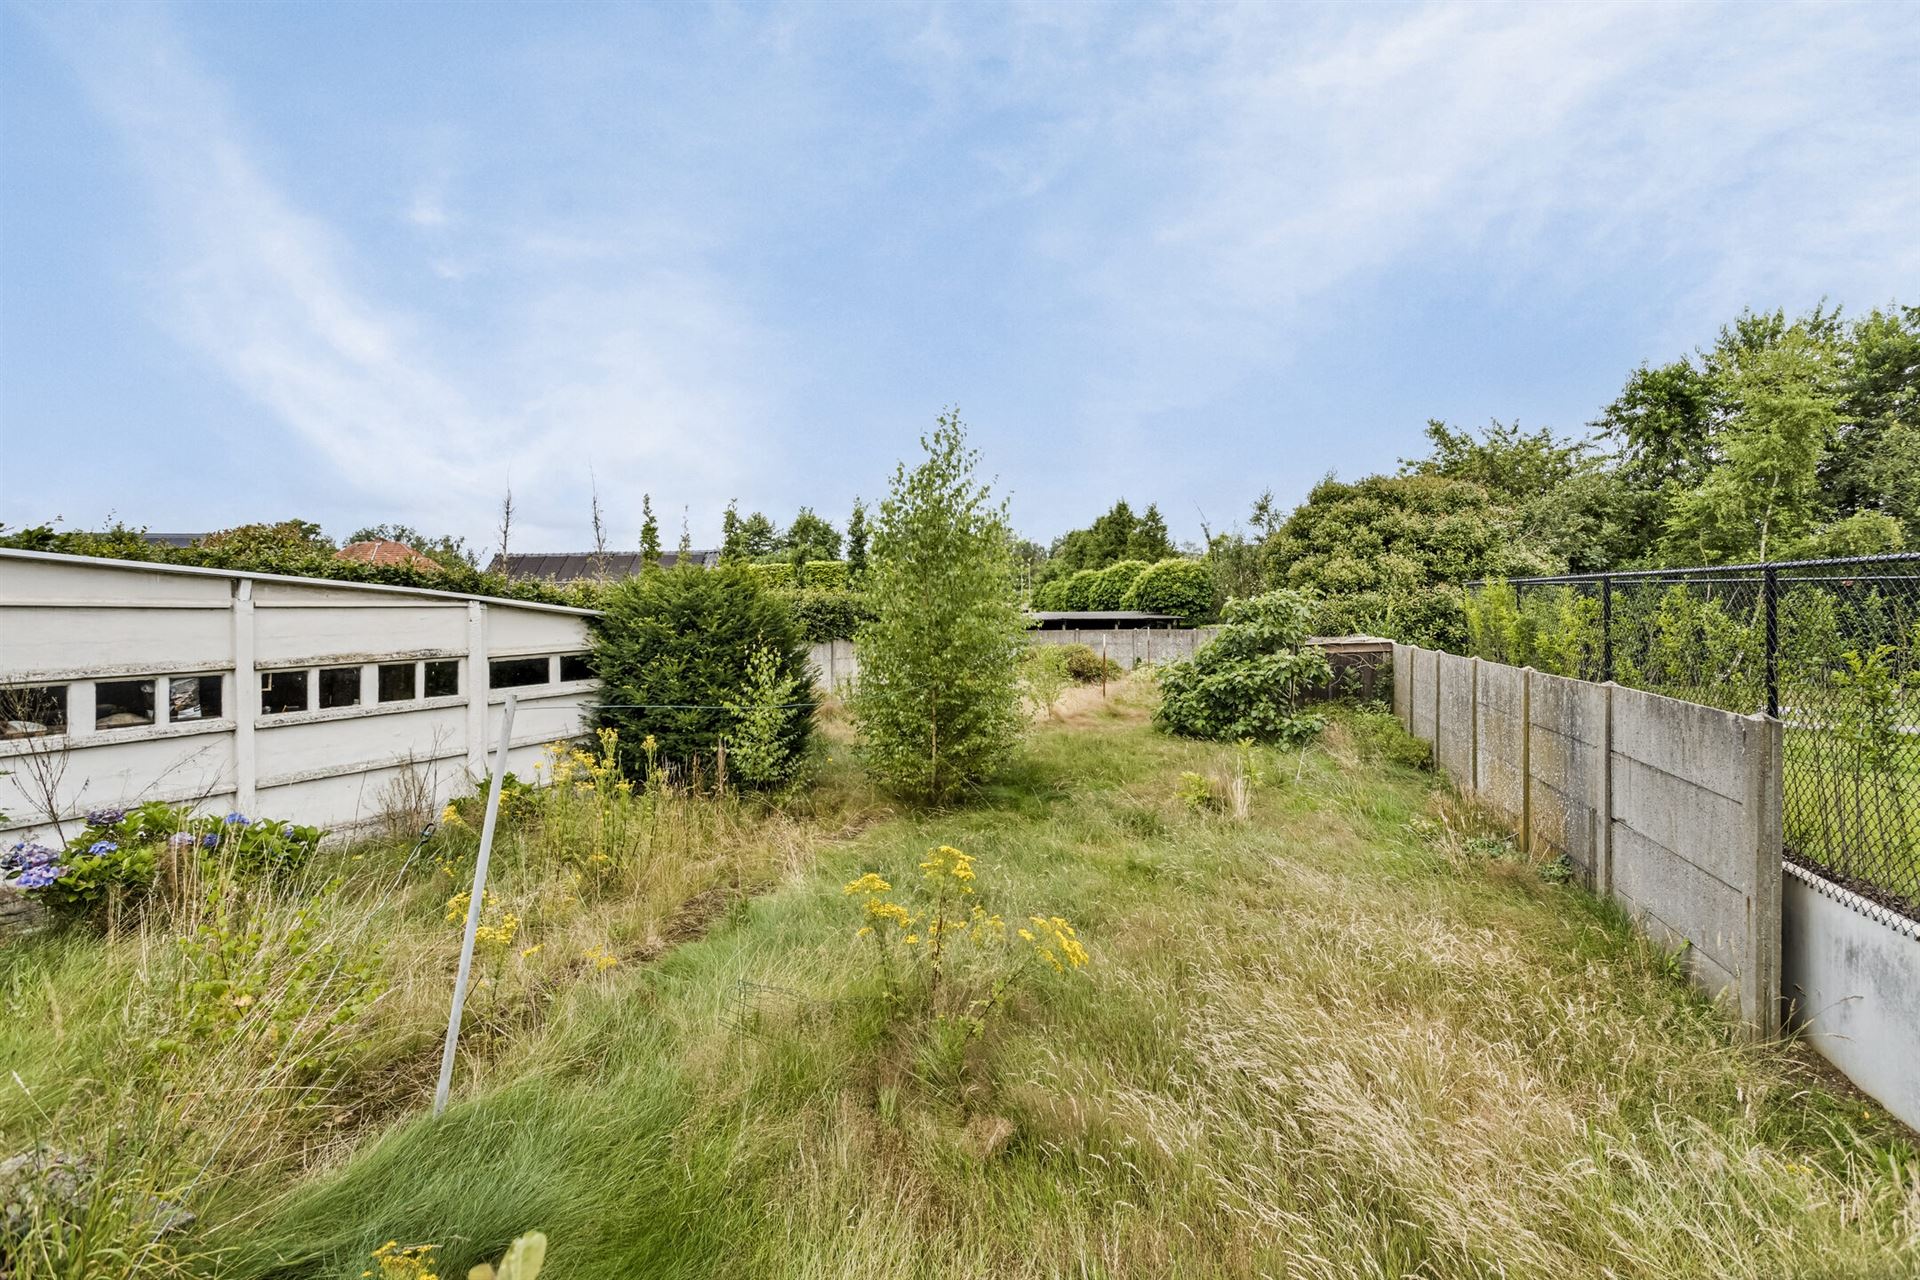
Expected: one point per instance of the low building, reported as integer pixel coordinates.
(321, 702)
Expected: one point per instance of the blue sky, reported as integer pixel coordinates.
(364, 262)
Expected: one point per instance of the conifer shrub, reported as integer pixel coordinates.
(1250, 683)
(677, 654)
(1183, 588)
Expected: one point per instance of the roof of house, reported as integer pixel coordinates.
(332, 584)
(172, 539)
(571, 566)
(387, 551)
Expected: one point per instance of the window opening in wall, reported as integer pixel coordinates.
(443, 679)
(193, 698)
(574, 666)
(33, 710)
(339, 687)
(399, 682)
(511, 673)
(122, 704)
(282, 691)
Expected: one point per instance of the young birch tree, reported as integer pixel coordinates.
(937, 705)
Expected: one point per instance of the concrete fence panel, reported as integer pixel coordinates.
(1453, 750)
(1403, 682)
(1424, 722)
(1500, 752)
(1696, 841)
(1568, 747)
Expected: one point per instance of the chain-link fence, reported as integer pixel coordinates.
(1831, 647)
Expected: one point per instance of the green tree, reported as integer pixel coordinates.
(760, 536)
(857, 539)
(812, 537)
(1764, 491)
(1149, 540)
(1111, 584)
(1251, 682)
(937, 708)
(649, 534)
(679, 657)
(733, 540)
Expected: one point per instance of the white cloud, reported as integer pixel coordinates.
(591, 359)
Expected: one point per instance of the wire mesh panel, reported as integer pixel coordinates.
(1831, 647)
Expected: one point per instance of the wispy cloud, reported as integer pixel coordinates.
(590, 361)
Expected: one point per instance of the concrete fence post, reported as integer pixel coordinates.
(1473, 725)
(1603, 802)
(246, 701)
(1526, 760)
(478, 679)
(1760, 984)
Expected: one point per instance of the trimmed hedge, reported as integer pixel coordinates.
(1180, 587)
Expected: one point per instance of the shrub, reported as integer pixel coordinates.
(1249, 681)
(1111, 584)
(1076, 594)
(827, 613)
(1043, 676)
(679, 646)
(1051, 596)
(937, 708)
(1183, 588)
(1082, 665)
(784, 573)
(111, 865)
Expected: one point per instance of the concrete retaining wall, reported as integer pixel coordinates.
(1671, 809)
(1851, 974)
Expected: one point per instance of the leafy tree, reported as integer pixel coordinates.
(649, 534)
(1149, 540)
(1515, 467)
(1251, 682)
(810, 537)
(287, 537)
(760, 536)
(1765, 492)
(1387, 554)
(676, 655)
(733, 538)
(937, 708)
(1183, 588)
(857, 539)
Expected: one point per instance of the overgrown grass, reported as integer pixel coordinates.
(1352, 1034)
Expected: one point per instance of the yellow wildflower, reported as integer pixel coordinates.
(450, 817)
(868, 883)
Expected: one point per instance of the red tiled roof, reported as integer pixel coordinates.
(384, 551)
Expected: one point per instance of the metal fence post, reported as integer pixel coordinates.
(475, 897)
(1770, 596)
(1606, 629)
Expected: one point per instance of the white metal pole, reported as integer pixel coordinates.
(474, 900)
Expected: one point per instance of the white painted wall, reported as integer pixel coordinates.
(77, 621)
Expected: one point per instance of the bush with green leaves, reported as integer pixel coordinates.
(1111, 584)
(1084, 665)
(675, 651)
(937, 708)
(788, 574)
(1076, 595)
(1183, 588)
(827, 613)
(111, 865)
(1251, 682)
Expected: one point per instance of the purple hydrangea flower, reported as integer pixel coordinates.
(41, 877)
(181, 840)
(237, 820)
(210, 840)
(106, 817)
(38, 865)
(286, 832)
(99, 847)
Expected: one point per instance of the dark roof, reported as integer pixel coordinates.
(572, 566)
(1058, 620)
(173, 539)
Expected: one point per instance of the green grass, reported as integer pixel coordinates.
(1353, 1035)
